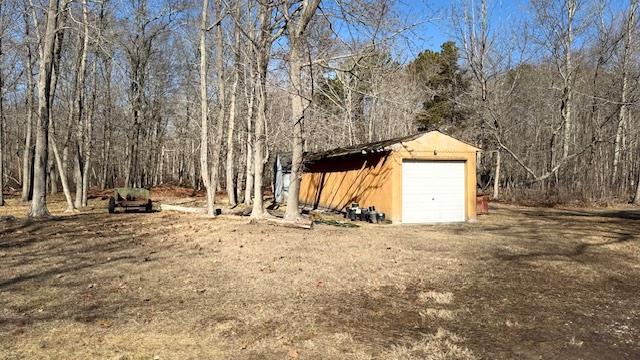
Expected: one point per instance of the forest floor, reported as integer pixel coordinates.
(521, 282)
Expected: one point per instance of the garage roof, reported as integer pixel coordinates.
(378, 146)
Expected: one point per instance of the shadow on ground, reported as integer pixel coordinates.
(519, 283)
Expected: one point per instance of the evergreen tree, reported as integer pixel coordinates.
(444, 83)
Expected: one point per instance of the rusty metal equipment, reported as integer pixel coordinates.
(130, 198)
(482, 204)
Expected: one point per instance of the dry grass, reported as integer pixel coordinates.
(520, 283)
(435, 296)
(442, 345)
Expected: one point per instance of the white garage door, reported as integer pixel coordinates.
(433, 191)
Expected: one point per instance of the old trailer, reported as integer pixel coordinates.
(130, 199)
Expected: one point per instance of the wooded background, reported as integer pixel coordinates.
(98, 94)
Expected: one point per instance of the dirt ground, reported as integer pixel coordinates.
(523, 283)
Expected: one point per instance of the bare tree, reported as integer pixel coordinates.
(230, 173)
(61, 162)
(262, 47)
(296, 33)
(627, 51)
(567, 71)
(477, 43)
(27, 154)
(88, 133)
(217, 141)
(78, 107)
(249, 91)
(39, 200)
(204, 113)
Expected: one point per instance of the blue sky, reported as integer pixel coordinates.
(437, 14)
(505, 18)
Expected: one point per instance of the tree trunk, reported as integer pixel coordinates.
(39, 200)
(622, 112)
(63, 176)
(161, 170)
(297, 117)
(348, 108)
(1, 134)
(53, 172)
(204, 108)
(567, 99)
(217, 142)
(106, 129)
(62, 164)
(88, 137)
(257, 212)
(77, 175)
(1, 125)
(79, 109)
(297, 36)
(496, 177)
(230, 173)
(192, 159)
(74, 143)
(27, 155)
(249, 168)
(636, 198)
(105, 159)
(263, 51)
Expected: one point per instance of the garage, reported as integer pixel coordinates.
(428, 177)
(433, 191)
